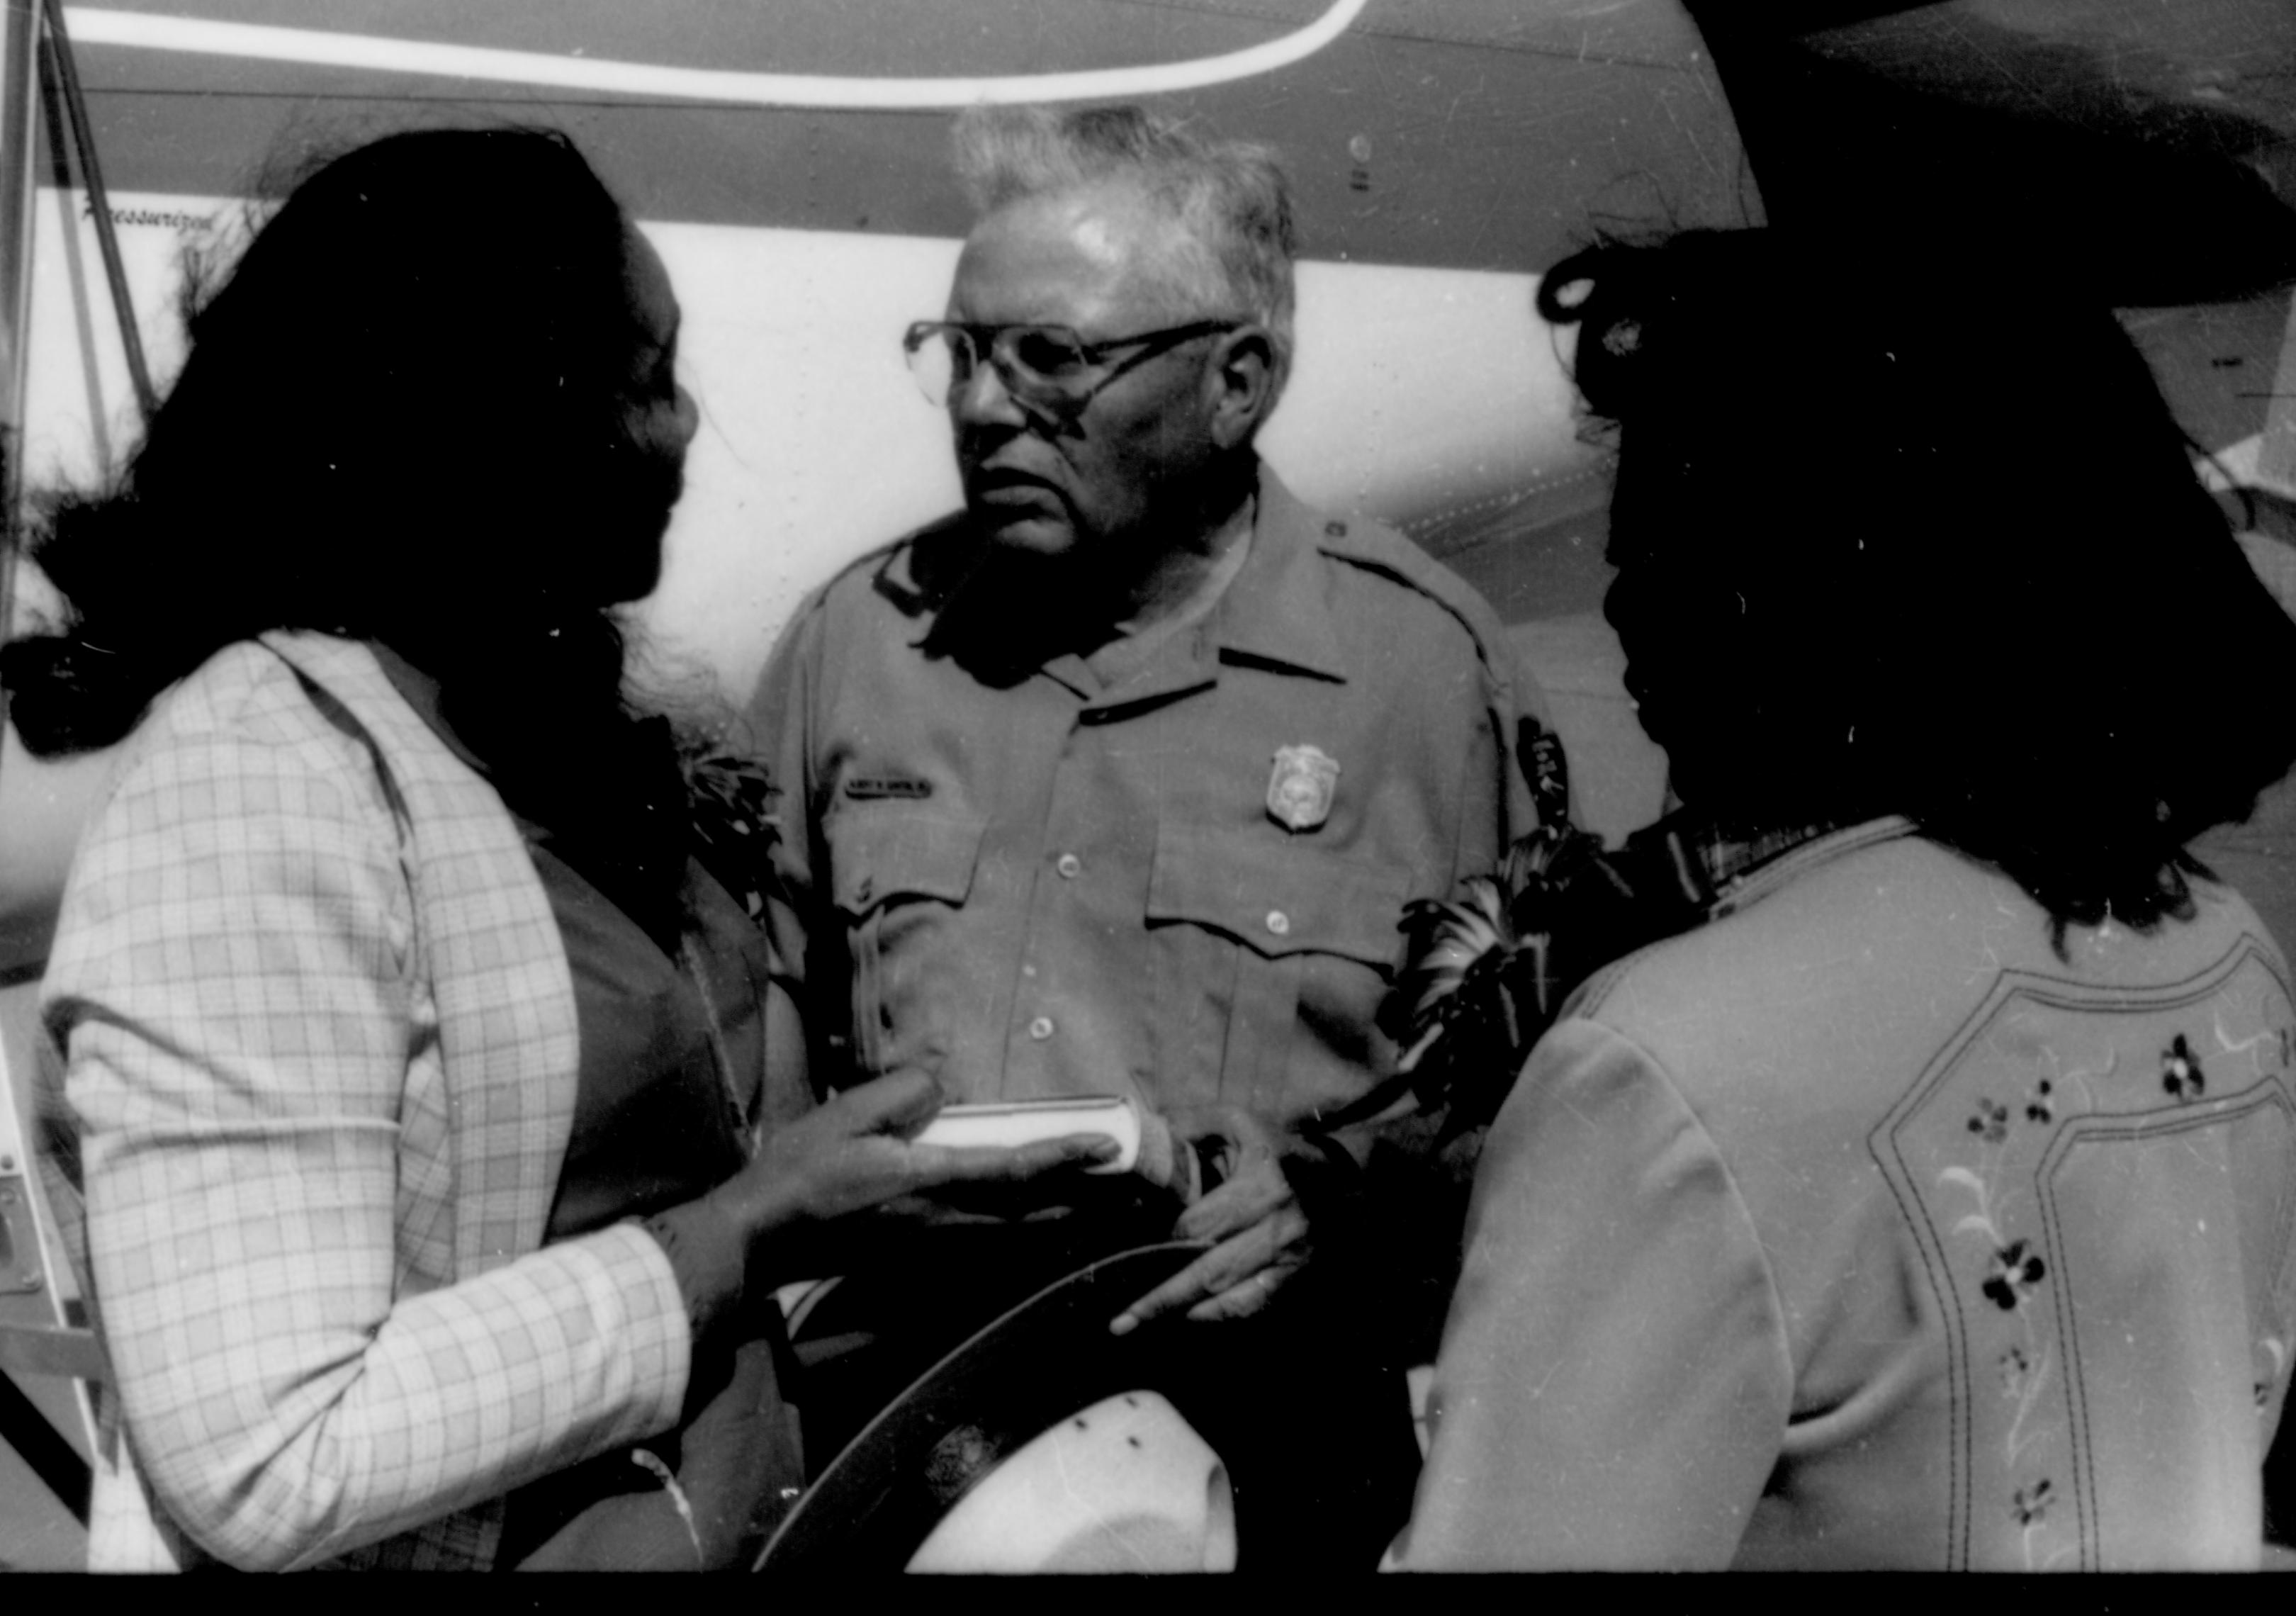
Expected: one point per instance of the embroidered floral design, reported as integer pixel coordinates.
(2025, 1366)
(2039, 1109)
(2015, 1269)
(2016, 1367)
(2031, 1503)
(2070, 1086)
(2180, 1070)
(1992, 1122)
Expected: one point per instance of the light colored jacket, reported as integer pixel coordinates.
(322, 1055)
(1861, 1229)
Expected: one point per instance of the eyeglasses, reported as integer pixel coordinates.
(1049, 368)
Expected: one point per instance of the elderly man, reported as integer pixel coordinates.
(1118, 780)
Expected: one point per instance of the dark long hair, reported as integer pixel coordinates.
(404, 417)
(1977, 581)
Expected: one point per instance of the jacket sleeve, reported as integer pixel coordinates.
(237, 988)
(1614, 1383)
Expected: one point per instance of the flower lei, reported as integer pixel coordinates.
(729, 798)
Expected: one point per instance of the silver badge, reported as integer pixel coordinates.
(1300, 788)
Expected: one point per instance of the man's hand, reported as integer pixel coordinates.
(1254, 1217)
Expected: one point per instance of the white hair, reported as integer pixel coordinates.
(1230, 250)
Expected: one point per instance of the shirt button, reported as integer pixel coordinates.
(1070, 866)
(1278, 922)
(1041, 1028)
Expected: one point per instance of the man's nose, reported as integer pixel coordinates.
(982, 398)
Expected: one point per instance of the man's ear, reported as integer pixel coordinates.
(1243, 375)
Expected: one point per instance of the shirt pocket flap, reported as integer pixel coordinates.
(1279, 900)
(883, 857)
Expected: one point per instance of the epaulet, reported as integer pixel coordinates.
(1378, 549)
(879, 566)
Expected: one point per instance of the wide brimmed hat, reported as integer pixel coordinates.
(1043, 1394)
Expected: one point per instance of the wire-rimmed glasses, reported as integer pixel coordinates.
(1049, 367)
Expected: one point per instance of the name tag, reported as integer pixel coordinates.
(863, 788)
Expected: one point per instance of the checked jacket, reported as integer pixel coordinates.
(322, 1055)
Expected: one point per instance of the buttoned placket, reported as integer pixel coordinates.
(1082, 879)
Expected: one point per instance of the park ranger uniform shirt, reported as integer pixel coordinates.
(1171, 870)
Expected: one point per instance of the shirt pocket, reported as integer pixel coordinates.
(1296, 928)
(899, 874)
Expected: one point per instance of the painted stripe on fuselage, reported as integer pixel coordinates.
(320, 47)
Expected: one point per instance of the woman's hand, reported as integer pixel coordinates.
(857, 1154)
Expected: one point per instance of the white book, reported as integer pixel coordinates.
(1025, 1121)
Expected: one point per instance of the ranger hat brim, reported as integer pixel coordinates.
(1040, 1363)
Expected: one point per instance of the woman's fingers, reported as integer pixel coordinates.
(850, 1156)
(897, 1102)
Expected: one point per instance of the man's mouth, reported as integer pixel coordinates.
(1007, 488)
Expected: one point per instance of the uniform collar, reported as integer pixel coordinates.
(925, 572)
(1277, 612)
(1274, 613)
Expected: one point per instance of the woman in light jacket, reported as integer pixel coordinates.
(1930, 1206)
(419, 1042)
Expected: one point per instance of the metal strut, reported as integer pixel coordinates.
(63, 73)
(48, 1359)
